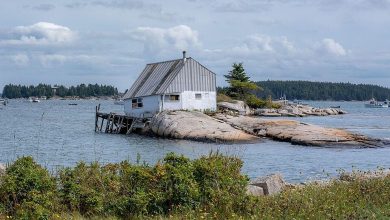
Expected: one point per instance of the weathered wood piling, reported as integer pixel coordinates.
(115, 123)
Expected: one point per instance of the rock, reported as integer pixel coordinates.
(238, 106)
(271, 184)
(194, 125)
(254, 190)
(2, 169)
(300, 133)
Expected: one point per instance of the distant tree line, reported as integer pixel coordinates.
(306, 90)
(20, 91)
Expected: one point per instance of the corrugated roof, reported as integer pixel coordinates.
(156, 77)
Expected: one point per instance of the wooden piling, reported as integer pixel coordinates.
(116, 123)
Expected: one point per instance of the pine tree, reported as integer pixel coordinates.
(240, 85)
(237, 73)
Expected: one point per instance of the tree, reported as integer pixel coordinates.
(237, 73)
(240, 85)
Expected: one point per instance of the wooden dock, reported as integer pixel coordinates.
(116, 123)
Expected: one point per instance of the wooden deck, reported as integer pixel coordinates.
(115, 123)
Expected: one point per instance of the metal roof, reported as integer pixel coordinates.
(172, 76)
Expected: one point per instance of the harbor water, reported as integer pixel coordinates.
(57, 134)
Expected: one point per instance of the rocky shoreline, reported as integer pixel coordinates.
(192, 125)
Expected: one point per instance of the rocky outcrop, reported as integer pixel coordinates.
(298, 111)
(298, 133)
(271, 184)
(196, 126)
(235, 107)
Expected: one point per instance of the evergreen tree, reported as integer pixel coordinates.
(240, 85)
(237, 73)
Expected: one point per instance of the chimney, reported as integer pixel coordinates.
(184, 56)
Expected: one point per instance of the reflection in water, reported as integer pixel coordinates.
(58, 134)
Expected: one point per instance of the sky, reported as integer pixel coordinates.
(70, 42)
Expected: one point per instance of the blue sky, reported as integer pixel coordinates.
(110, 41)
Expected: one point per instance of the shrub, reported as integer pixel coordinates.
(28, 191)
(222, 186)
(254, 102)
(90, 189)
(178, 183)
(224, 98)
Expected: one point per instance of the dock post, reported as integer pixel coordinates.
(96, 119)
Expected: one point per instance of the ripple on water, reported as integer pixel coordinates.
(57, 135)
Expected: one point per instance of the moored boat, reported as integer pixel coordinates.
(33, 99)
(372, 103)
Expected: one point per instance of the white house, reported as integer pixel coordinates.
(182, 84)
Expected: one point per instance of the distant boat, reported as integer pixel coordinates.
(43, 97)
(337, 106)
(387, 102)
(72, 104)
(3, 101)
(372, 103)
(33, 99)
(119, 102)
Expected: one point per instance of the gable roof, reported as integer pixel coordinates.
(156, 77)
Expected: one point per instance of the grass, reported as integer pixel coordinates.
(211, 187)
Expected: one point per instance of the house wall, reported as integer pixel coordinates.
(172, 105)
(208, 100)
(151, 105)
(187, 101)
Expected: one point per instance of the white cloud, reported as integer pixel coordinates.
(264, 44)
(157, 40)
(331, 47)
(20, 59)
(41, 33)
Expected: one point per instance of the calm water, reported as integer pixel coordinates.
(58, 134)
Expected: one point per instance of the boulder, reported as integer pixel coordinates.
(194, 125)
(271, 184)
(238, 106)
(254, 190)
(2, 169)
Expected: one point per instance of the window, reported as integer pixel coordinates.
(198, 96)
(170, 98)
(137, 103)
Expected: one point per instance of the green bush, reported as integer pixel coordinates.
(221, 184)
(254, 102)
(28, 191)
(90, 189)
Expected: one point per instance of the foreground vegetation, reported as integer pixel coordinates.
(306, 90)
(210, 187)
(20, 91)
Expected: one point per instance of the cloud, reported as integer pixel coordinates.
(20, 59)
(41, 33)
(239, 6)
(257, 43)
(157, 40)
(122, 4)
(331, 47)
(44, 7)
(119, 4)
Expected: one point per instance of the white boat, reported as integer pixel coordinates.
(3, 101)
(33, 99)
(387, 102)
(372, 103)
